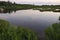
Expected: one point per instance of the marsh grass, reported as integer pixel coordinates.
(9, 32)
(53, 32)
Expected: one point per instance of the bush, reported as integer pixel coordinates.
(7, 32)
(53, 32)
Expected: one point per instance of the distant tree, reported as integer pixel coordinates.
(59, 18)
(14, 3)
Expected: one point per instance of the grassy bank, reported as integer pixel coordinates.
(53, 32)
(8, 32)
(53, 8)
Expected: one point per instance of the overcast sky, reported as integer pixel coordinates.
(35, 1)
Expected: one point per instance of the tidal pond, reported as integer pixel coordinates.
(33, 19)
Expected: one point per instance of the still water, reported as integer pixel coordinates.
(33, 19)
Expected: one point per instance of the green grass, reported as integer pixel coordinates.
(9, 32)
(53, 32)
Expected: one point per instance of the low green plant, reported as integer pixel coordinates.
(9, 32)
(53, 32)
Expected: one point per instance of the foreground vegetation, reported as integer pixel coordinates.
(9, 32)
(53, 32)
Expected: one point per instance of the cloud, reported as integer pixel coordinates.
(33, 0)
(36, 1)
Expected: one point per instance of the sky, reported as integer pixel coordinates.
(57, 2)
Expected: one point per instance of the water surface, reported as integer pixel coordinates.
(33, 19)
